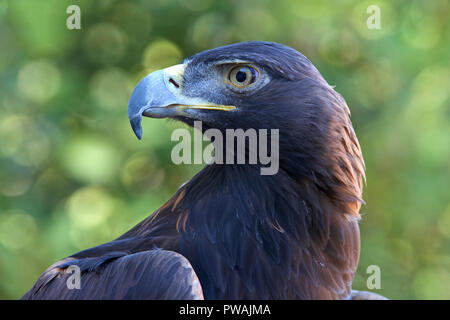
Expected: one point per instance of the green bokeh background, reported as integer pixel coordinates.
(73, 175)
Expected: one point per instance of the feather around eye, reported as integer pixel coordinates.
(242, 76)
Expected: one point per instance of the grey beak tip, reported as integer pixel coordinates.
(136, 126)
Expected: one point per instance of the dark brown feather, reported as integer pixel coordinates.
(121, 276)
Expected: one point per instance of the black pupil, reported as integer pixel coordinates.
(241, 76)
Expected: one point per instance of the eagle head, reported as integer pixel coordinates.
(263, 85)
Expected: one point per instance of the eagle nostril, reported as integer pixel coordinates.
(174, 83)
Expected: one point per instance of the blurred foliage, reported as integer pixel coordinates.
(73, 175)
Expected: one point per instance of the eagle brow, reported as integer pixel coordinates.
(233, 61)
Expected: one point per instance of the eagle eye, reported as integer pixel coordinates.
(242, 76)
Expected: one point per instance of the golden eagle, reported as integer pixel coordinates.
(232, 232)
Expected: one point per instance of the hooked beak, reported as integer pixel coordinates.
(159, 95)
